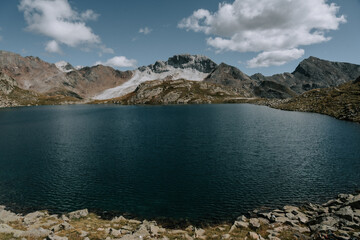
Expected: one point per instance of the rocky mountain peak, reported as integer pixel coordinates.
(321, 70)
(183, 61)
(198, 62)
(227, 72)
(306, 66)
(64, 66)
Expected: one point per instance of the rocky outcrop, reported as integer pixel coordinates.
(11, 95)
(179, 92)
(341, 102)
(7, 84)
(336, 219)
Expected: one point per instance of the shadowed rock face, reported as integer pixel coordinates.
(314, 73)
(357, 80)
(270, 89)
(200, 63)
(310, 74)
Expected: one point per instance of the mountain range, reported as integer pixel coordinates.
(193, 78)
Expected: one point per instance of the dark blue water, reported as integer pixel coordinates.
(200, 162)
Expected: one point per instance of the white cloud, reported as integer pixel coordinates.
(58, 21)
(89, 15)
(118, 61)
(53, 47)
(265, 25)
(277, 58)
(145, 30)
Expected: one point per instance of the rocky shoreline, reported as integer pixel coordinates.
(336, 219)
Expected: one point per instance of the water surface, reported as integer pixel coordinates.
(198, 162)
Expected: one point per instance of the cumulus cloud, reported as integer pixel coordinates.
(53, 47)
(270, 27)
(277, 58)
(118, 61)
(58, 21)
(145, 30)
(89, 15)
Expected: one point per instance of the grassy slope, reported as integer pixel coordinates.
(21, 97)
(342, 102)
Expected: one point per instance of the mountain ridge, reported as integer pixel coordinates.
(104, 82)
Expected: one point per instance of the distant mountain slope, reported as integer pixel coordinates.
(11, 95)
(230, 76)
(270, 89)
(314, 73)
(177, 92)
(90, 81)
(342, 102)
(256, 85)
(311, 73)
(31, 73)
(101, 82)
(190, 67)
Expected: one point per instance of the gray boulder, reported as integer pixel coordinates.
(346, 213)
(254, 223)
(78, 214)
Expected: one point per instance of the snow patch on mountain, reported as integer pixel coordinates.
(64, 66)
(79, 67)
(146, 74)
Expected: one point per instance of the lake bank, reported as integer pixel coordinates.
(281, 104)
(338, 218)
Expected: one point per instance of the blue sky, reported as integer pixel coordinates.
(109, 31)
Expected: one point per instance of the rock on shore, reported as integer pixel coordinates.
(336, 219)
